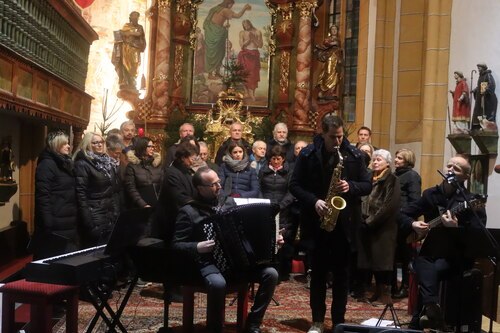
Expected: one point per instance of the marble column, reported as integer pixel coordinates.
(303, 68)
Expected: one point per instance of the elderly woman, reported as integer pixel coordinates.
(377, 239)
(238, 178)
(55, 200)
(411, 187)
(96, 186)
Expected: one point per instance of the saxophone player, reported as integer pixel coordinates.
(310, 184)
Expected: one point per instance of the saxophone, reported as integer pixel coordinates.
(334, 202)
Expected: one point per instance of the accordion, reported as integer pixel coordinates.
(245, 237)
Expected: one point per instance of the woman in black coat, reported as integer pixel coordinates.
(143, 175)
(96, 186)
(238, 178)
(274, 178)
(55, 200)
(411, 188)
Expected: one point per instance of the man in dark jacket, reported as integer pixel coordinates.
(310, 182)
(280, 137)
(436, 205)
(236, 133)
(187, 244)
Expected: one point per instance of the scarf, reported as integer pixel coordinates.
(235, 165)
(375, 178)
(103, 163)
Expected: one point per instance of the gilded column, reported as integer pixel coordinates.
(159, 94)
(182, 28)
(303, 68)
(284, 36)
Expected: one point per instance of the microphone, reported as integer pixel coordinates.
(450, 177)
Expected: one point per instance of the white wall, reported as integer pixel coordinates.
(475, 32)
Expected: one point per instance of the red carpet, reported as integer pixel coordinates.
(292, 315)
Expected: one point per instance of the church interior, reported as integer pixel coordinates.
(394, 66)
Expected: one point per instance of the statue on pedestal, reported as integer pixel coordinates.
(130, 42)
(485, 107)
(461, 104)
(331, 55)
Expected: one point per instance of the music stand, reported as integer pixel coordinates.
(128, 229)
(459, 244)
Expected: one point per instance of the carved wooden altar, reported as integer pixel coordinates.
(171, 46)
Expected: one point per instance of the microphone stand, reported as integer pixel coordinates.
(450, 178)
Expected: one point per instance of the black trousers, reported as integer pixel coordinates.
(331, 254)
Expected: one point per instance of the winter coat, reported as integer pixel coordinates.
(411, 185)
(223, 150)
(143, 180)
(177, 190)
(55, 206)
(97, 203)
(288, 147)
(239, 183)
(310, 182)
(377, 240)
(274, 186)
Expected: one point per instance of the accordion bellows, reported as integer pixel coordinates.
(245, 237)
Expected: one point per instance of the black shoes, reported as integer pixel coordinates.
(402, 293)
(432, 318)
(252, 328)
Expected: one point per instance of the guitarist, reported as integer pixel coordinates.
(437, 203)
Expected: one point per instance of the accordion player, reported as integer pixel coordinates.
(245, 237)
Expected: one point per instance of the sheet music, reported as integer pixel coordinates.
(246, 201)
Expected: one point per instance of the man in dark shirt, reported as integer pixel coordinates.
(187, 243)
(439, 205)
(310, 183)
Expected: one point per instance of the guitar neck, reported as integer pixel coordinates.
(437, 221)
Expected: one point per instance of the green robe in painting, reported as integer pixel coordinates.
(215, 40)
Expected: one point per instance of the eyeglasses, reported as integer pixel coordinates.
(97, 143)
(216, 184)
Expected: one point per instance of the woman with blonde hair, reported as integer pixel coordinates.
(55, 200)
(96, 185)
(411, 188)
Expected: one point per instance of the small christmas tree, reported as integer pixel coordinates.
(234, 74)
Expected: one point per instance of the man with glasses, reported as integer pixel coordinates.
(189, 247)
(439, 202)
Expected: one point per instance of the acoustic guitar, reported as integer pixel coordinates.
(478, 202)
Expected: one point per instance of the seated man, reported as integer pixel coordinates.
(190, 245)
(439, 201)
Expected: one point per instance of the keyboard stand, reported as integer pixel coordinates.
(99, 300)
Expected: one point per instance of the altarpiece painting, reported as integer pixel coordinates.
(229, 33)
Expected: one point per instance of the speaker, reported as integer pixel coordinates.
(346, 328)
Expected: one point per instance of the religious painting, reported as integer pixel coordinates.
(232, 35)
(478, 181)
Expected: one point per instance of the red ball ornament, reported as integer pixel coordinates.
(497, 168)
(84, 3)
(140, 132)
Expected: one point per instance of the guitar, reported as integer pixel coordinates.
(478, 202)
